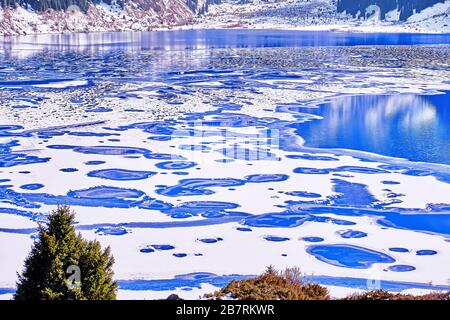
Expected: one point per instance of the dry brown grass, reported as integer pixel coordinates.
(273, 285)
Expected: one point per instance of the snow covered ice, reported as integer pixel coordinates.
(208, 158)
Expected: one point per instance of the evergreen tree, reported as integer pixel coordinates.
(64, 266)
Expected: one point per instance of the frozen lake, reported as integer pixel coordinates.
(205, 156)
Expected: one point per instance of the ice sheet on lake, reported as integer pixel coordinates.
(212, 177)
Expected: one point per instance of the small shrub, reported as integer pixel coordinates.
(272, 285)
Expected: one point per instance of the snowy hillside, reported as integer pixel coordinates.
(44, 16)
(384, 8)
(131, 15)
(324, 15)
(290, 13)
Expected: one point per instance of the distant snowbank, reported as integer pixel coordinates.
(320, 15)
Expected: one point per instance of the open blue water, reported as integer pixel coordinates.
(415, 127)
(234, 38)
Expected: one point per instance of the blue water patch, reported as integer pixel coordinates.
(348, 256)
(7, 290)
(343, 175)
(23, 213)
(311, 157)
(195, 187)
(210, 205)
(12, 127)
(112, 231)
(7, 147)
(99, 109)
(392, 167)
(434, 219)
(392, 195)
(39, 84)
(397, 249)
(390, 182)
(90, 134)
(32, 186)
(191, 280)
(121, 174)
(312, 239)
(104, 192)
(417, 172)
(99, 196)
(357, 169)
(48, 134)
(352, 234)
(289, 220)
(276, 238)
(277, 220)
(427, 222)
(401, 268)
(180, 173)
(244, 229)
(210, 240)
(175, 165)
(68, 170)
(353, 169)
(303, 194)
(19, 159)
(162, 247)
(94, 162)
(424, 140)
(352, 194)
(303, 170)
(242, 38)
(180, 255)
(152, 204)
(426, 252)
(23, 107)
(163, 156)
(160, 138)
(260, 178)
(60, 147)
(27, 231)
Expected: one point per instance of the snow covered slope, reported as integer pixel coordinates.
(330, 15)
(44, 16)
(404, 8)
(130, 15)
